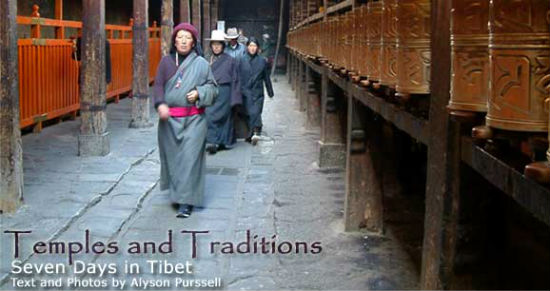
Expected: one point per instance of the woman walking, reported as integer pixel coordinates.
(184, 86)
(220, 116)
(253, 73)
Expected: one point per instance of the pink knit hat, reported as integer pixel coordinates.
(188, 27)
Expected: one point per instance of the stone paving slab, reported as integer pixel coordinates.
(274, 191)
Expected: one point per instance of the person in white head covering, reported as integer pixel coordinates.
(234, 48)
(242, 38)
(219, 116)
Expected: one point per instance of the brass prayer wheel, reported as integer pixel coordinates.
(348, 38)
(519, 48)
(469, 55)
(388, 50)
(334, 40)
(374, 29)
(341, 41)
(413, 47)
(362, 34)
(355, 58)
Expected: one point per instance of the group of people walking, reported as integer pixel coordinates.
(196, 97)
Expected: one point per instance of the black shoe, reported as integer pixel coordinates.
(184, 211)
(248, 139)
(212, 148)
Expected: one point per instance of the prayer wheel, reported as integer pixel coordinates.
(469, 55)
(413, 47)
(330, 40)
(519, 47)
(354, 41)
(388, 50)
(333, 40)
(374, 37)
(348, 38)
(362, 34)
(341, 41)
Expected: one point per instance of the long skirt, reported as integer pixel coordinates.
(182, 143)
(254, 106)
(220, 119)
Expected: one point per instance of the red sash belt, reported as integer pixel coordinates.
(185, 111)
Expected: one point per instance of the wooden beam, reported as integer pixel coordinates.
(443, 173)
(11, 152)
(140, 85)
(94, 137)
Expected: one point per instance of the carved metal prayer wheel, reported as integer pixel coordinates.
(469, 55)
(362, 34)
(388, 49)
(333, 40)
(354, 40)
(374, 38)
(519, 49)
(413, 47)
(348, 38)
(341, 41)
(358, 27)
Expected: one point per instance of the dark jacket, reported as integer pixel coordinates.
(225, 72)
(253, 73)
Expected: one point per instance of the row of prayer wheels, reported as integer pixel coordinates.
(386, 42)
(502, 68)
(500, 55)
(501, 64)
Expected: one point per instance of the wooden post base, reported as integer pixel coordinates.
(539, 171)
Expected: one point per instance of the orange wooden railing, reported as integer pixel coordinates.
(48, 75)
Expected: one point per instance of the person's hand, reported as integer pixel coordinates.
(163, 111)
(192, 96)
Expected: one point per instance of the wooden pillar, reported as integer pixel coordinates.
(364, 162)
(11, 152)
(140, 84)
(167, 24)
(214, 14)
(206, 21)
(185, 11)
(196, 19)
(94, 137)
(303, 86)
(289, 66)
(313, 106)
(443, 175)
(298, 82)
(59, 31)
(332, 148)
(294, 73)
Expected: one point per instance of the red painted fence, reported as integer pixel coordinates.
(48, 75)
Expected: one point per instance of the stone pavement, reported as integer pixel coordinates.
(273, 191)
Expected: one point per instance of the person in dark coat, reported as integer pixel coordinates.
(253, 74)
(221, 133)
